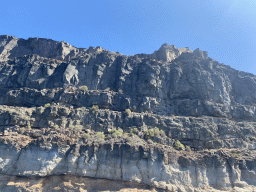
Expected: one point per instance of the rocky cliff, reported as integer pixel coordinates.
(173, 120)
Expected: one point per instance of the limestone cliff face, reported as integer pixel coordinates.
(173, 120)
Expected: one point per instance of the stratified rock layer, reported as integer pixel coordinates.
(163, 168)
(50, 124)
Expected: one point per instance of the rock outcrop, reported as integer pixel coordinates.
(174, 120)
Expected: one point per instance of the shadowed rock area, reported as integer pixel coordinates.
(173, 120)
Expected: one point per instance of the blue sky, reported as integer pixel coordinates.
(226, 29)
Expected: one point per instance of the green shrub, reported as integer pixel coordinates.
(178, 145)
(56, 126)
(162, 133)
(156, 131)
(235, 154)
(47, 105)
(188, 148)
(29, 127)
(119, 132)
(134, 130)
(107, 89)
(116, 133)
(112, 130)
(83, 88)
(128, 140)
(152, 132)
(128, 112)
(100, 135)
(83, 108)
(125, 134)
(86, 136)
(94, 108)
(78, 127)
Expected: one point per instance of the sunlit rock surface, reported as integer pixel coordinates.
(51, 129)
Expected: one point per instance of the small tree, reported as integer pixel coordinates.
(178, 145)
(100, 136)
(128, 112)
(83, 88)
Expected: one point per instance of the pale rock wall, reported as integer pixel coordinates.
(162, 170)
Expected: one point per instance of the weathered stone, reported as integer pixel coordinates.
(49, 123)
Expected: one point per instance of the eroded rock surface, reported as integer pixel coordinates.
(159, 166)
(175, 120)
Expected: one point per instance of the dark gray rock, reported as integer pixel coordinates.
(191, 97)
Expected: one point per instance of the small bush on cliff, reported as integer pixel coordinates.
(149, 133)
(94, 108)
(128, 112)
(47, 105)
(162, 133)
(119, 132)
(83, 88)
(188, 148)
(86, 136)
(150, 141)
(78, 127)
(100, 136)
(128, 140)
(156, 131)
(178, 145)
(112, 130)
(116, 133)
(152, 132)
(29, 127)
(133, 131)
(235, 154)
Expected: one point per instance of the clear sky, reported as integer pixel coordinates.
(226, 29)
